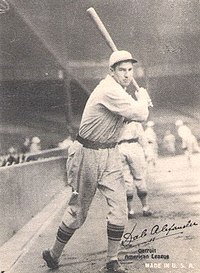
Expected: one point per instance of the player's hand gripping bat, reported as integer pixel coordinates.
(100, 26)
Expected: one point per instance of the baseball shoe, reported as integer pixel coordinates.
(114, 267)
(147, 213)
(51, 263)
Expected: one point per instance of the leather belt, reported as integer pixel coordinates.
(132, 140)
(93, 144)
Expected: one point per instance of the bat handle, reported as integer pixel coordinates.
(135, 84)
(150, 104)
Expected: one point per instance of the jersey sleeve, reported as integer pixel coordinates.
(121, 103)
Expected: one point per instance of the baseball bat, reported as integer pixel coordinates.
(100, 26)
(103, 31)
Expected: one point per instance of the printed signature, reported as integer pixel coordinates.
(153, 233)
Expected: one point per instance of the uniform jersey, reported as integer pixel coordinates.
(105, 111)
(189, 141)
(150, 135)
(184, 132)
(133, 130)
(169, 143)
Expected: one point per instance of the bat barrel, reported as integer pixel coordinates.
(100, 26)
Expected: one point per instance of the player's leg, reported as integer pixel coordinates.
(138, 168)
(195, 145)
(85, 184)
(128, 178)
(129, 184)
(113, 189)
(189, 151)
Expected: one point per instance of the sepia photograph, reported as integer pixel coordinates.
(99, 136)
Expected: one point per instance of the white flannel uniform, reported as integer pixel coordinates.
(133, 157)
(89, 169)
(152, 146)
(169, 141)
(189, 141)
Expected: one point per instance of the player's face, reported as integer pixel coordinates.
(123, 73)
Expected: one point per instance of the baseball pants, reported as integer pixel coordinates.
(87, 170)
(134, 167)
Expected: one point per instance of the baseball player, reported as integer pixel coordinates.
(151, 149)
(132, 149)
(94, 159)
(169, 142)
(35, 146)
(189, 141)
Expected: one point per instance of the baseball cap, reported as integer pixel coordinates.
(150, 123)
(179, 122)
(35, 140)
(120, 56)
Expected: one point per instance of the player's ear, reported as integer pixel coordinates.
(112, 71)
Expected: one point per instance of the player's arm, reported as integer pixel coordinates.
(121, 103)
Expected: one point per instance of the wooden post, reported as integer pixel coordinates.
(67, 103)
